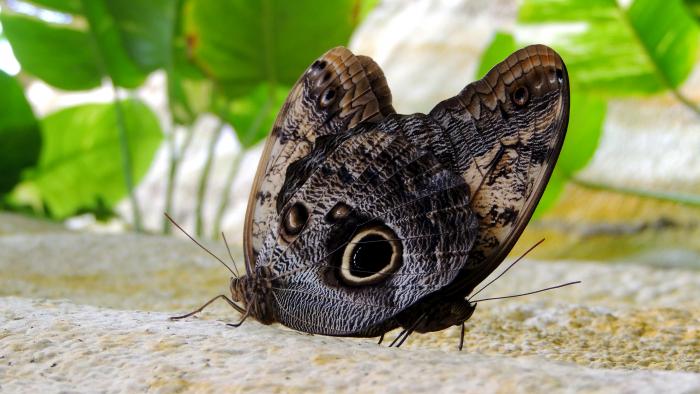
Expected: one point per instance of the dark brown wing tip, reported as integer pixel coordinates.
(378, 83)
(539, 65)
(363, 83)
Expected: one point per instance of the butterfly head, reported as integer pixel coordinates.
(252, 291)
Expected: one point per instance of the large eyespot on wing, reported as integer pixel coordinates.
(338, 91)
(370, 256)
(504, 133)
(388, 225)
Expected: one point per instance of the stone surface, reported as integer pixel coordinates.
(60, 346)
(89, 312)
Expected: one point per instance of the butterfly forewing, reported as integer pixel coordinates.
(336, 92)
(505, 132)
(361, 220)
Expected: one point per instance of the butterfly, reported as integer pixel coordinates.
(362, 220)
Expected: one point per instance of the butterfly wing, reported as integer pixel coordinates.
(369, 225)
(503, 134)
(338, 91)
(356, 219)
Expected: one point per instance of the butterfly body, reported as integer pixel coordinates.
(362, 220)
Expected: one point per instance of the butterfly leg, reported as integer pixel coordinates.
(201, 308)
(461, 338)
(245, 316)
(401, 334)
(399, 340)
(381, 339)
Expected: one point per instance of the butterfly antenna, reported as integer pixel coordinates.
(233, 262)
(506, 270)
(198, 244)
(528, 293)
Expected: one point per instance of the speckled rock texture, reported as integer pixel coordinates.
(83, 312)
(61, 346)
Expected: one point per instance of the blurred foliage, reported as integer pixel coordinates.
(236, 59)
(274, 39)
(694, 8)
(610, 51)
(79, 166)
(646, 48)
(19, 132)
(124, 40)
(254, 113)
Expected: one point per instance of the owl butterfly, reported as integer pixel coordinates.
(362, 220)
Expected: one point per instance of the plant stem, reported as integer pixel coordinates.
(126, 160)
(681, 198)
(173, 167)
(170, 182)
(226, 193)
(204, 179)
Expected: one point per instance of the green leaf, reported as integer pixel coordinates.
(252, 116)
(80, 164)
(693, 7)
(586, 121)
(65, 6)
(122, 39)
(669, 36)
(145, 29)
(502, 45)
(243, 43)
(19, 133)
(119, 66)
(189, 95)
(648, 48)
(60, 55)
(189, 91)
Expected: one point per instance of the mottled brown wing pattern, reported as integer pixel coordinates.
(338, 91)
(503, 134)
(384, 181)
(362, 220)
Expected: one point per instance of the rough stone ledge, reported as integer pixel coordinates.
(57, 346)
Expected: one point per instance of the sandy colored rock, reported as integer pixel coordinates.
(61, 346)
(614, 331)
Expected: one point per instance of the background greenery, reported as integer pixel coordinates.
(237, 59)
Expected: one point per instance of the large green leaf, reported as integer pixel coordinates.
(243, 43)
(122, 39)
(502, 45)
(65, 6)
(254, 114)
(650, 47)
(19, 133)
(123, 70)
(60, 55)
(145, 29)
(694, 8)
(80, 166)
(190, 93)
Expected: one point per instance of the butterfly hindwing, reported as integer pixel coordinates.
(369, 198)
